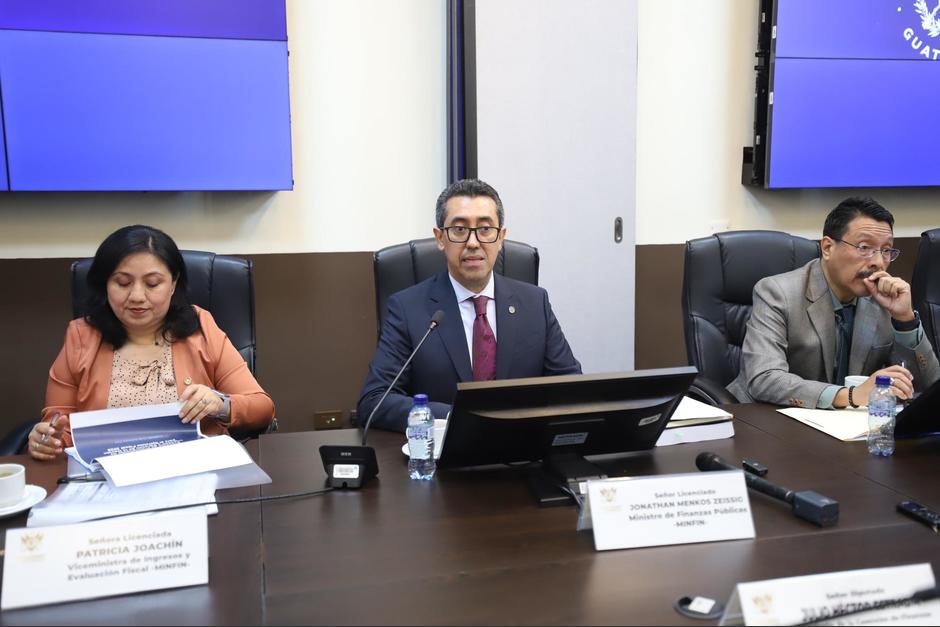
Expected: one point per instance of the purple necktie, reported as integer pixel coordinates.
(484, 343)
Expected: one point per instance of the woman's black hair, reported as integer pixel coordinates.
(181, 320)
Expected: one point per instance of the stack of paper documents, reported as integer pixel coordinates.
(137, 445)
(695, 421)
(104, 432)
(150, 460)
(843, 424)
(88, 500)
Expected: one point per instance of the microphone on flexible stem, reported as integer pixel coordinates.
(806, 504)
(350, 466)
(435, 320)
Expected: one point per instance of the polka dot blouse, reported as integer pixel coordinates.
(135, 383)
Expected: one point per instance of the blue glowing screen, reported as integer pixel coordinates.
(144, 99)
(854, 83)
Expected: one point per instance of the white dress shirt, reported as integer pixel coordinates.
(468, 312)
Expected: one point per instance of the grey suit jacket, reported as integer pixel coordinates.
(790, 343)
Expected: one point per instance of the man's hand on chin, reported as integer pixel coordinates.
(892, 294)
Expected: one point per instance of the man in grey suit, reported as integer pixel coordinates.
(839, 315)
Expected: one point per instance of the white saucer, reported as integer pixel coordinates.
(31, 496)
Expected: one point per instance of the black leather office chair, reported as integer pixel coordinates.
(14, 442)
(925, 285)
(221, 284)
(403, 265)
(717, 296)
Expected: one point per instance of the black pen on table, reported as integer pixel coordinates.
(88, 477)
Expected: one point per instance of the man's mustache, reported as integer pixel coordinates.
(864, 274)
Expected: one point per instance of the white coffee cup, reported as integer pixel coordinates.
(439, 428)
(12, 484)
(855, 380)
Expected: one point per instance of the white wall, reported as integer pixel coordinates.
(695, 111)
(368, 108)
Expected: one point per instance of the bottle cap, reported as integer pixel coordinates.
(883, 381)
(421, 399)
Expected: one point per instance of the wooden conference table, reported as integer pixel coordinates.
(472, 547)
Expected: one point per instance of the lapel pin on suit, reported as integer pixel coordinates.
(512, 309)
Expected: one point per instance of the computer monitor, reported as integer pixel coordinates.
(921, 416)
(560, 420)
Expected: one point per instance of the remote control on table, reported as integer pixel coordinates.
(920, 513)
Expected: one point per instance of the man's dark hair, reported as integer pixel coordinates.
(471, 188)
(181, 320)
(838, 219)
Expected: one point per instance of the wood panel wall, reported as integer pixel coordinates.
(315, 326)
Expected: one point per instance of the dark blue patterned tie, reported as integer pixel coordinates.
(845, 319)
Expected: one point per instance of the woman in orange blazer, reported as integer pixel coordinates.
(144, 343)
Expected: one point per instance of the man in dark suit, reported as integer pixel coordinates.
(479, 308)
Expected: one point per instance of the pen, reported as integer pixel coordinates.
(906, 401)
(45, 436)
(87, 477)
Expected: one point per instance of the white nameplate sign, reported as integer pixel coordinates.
(795, 600)
(669, 509)
(106, 558)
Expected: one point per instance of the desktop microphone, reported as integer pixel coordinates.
(806, 504)
(350, 466)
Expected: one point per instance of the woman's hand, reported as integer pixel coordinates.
(200, 401)
(45, 440)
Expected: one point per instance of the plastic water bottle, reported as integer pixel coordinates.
(881, 408)
(421, 464)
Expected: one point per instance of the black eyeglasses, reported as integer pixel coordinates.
(867, 252)
(461, 234)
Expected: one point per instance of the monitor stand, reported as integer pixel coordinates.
(559, 476)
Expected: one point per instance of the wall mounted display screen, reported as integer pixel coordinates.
(190, 95)
(4, 186)
(852, 86)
